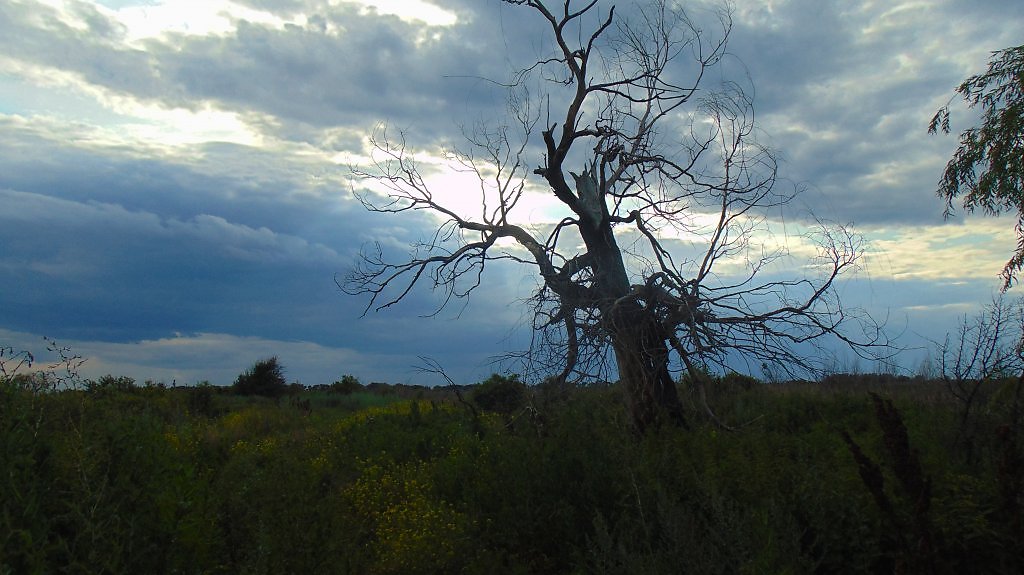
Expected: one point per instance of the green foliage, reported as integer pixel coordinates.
(201, 399)
(265, 377)
(154, 480)
(413, 528)
(500, 394)
(108, 383)
(347, 385)
(738, 380)
(942, 519)
(987, 169)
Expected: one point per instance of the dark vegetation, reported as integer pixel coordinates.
(854, 474)
(265, 378)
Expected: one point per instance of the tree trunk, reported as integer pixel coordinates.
(642, 356)
(641, 349)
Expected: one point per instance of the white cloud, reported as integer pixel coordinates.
(976, 249)
(165, 18)
(214, 357)
(103, 117)
(191, 18)
(413, 10)
(957, 307)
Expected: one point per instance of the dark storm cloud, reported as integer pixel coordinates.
(100, 246)
(258, 188)
(134, 274)
(96, 271)
(845, 92)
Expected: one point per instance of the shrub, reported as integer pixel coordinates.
(347, 385)
(109, 383)
(414, 531)
(500, 394)
(265, 377)
(738, 380)
(200, 399)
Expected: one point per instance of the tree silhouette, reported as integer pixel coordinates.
(265, 377)
(645, 164)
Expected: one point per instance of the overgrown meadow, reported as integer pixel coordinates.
(855, 474)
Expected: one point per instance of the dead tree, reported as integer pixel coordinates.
(662, 260)
(986, 348)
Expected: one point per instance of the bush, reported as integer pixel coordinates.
(266, 378)
(738, 380)
(200, 399)
(347, 385)
(500, 394)
(109, 383)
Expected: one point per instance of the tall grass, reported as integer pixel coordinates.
(151, 480)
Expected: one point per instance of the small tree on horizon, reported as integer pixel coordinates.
(265, 378)
(347, 385)
(500, 394)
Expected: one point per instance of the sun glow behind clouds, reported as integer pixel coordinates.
(412, 10)
(178, 127)
(220, 17)
(190, 17)
(458, 188)
(123, 119)
(115, 119)
(470, 195)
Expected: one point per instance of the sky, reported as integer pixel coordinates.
(177, 198)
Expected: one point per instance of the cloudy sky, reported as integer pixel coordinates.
(176, 198)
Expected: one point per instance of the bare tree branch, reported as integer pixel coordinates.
(645, 163)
